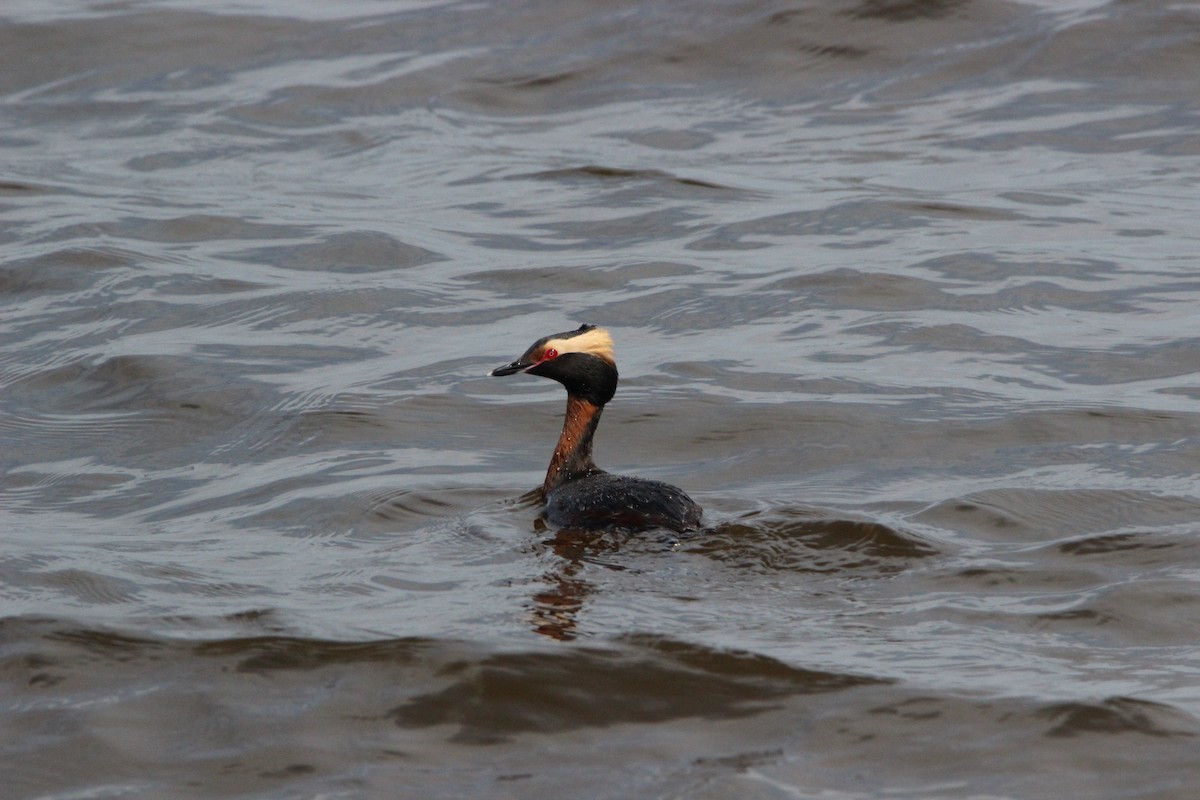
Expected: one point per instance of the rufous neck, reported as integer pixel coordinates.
(573, 454)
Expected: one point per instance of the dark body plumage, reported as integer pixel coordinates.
(602, 500)
(579, 494)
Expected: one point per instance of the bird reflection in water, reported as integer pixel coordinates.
(556, 609)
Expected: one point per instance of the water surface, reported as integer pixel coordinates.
(904, 293)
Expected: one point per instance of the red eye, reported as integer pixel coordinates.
(549, 354)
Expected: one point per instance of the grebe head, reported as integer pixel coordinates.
(581, 360)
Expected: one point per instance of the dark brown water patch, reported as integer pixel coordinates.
(290, 771)
(906, 10)
(534, 82)
(1115, 543)
(1020, 581)
(16, 187)
(950, 210)
(835, 50)
(741, 761)
(592, 172)
(655, 681)
(95, 643)
(1040, 198)
(1115, 716)
(916, 708)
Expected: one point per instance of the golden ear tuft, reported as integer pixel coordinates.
(594, 341)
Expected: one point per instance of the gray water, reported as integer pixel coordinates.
(903, 293)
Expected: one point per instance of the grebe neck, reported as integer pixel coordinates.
(573, 454)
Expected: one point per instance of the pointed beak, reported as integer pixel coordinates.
(511, 369)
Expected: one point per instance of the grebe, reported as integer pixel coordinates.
(579, 494)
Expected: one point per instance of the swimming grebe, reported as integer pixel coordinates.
(579, 494)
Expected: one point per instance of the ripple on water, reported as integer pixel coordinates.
(741, 717)
(1117, 715)
(553, 280)
(127, 384)
(352, 252)
(1035, 515)
(59, 271)
(652, 680)
(1148, 548)
(790, 539)
(417, 507)
(628, 186)
(1143, 612)
(85, 587)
